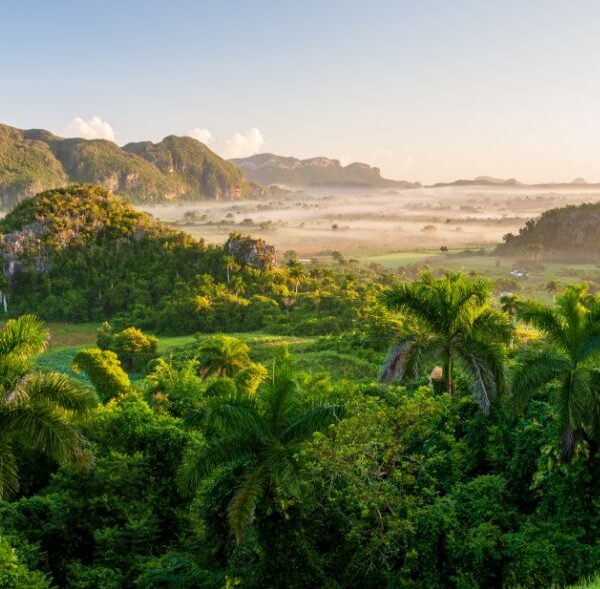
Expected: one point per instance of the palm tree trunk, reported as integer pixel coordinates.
(447, 369)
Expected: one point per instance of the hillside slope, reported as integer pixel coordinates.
(268, 168)
(177, 168)
(571, 232)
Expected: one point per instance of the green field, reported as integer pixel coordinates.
(59, 356)
(496, 268)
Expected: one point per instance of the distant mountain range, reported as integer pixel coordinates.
(177, 168)
(268, 168)
(183, 169)
(510, 182)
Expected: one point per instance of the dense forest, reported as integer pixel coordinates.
(567, 233)
(425, 436)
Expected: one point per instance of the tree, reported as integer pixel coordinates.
(454, 322)
(566, 363)
(134, 348)
(37, 409)
(230, 266)
(104, 371)
(262, 435)
(296, 272)
(510, 304)
(223, 356)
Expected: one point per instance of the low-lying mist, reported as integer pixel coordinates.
(364, 223)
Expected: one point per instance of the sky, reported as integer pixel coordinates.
(426, 90)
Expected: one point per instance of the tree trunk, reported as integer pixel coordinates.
(447, 369)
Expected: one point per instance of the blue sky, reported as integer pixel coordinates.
(427, 90)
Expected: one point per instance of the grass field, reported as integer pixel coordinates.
(67, 340)
(496, 268)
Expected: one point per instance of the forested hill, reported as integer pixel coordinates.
(177, 168)
(317, 171)
(80, 252)
(567, 232)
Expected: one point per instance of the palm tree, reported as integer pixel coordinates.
(36, 408)
(230, 265)
(455, 323)
(261, 435)
(296, 272)
(510, 304)
(567, 361)
(223, 356)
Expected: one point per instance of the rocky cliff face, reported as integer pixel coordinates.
(268, 168)
(177, 168)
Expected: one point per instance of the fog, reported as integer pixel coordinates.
(366, 223)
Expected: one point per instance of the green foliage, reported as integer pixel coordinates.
(567, 362)
(563, 233)
(132, 346)
(37, 409)
(454, 322)
(14, 574)
(104, 371)
(221, 355)
(263, 435)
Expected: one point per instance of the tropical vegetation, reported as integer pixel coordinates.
(320, 425)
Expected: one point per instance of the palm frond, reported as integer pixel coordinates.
(407, 359)
(535, 368)
(59, 389)
(590, 349)
(281, 390)
(201, 462)
(47, 429)
(417, 300)
(234, 415)
(24, 336)
(9, 478)
(485, 362)
(243, 504)
(317, 418)
(493, 324)
(543, 318)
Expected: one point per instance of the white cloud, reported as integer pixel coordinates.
(244, 144)
(202, 135)
(94, 128)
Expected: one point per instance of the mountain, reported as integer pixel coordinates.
(571, 232)
(268, 168)
(177, 168)
(577, 183)
(480, 181)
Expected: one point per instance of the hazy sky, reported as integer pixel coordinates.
(427, 90)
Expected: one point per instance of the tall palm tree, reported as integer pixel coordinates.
(36, 408)
(566, 361)
(262, 435)
(222, 355)
(296, 272)
(454, 323)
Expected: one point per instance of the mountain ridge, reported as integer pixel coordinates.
(269, 168)
(176, 168)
